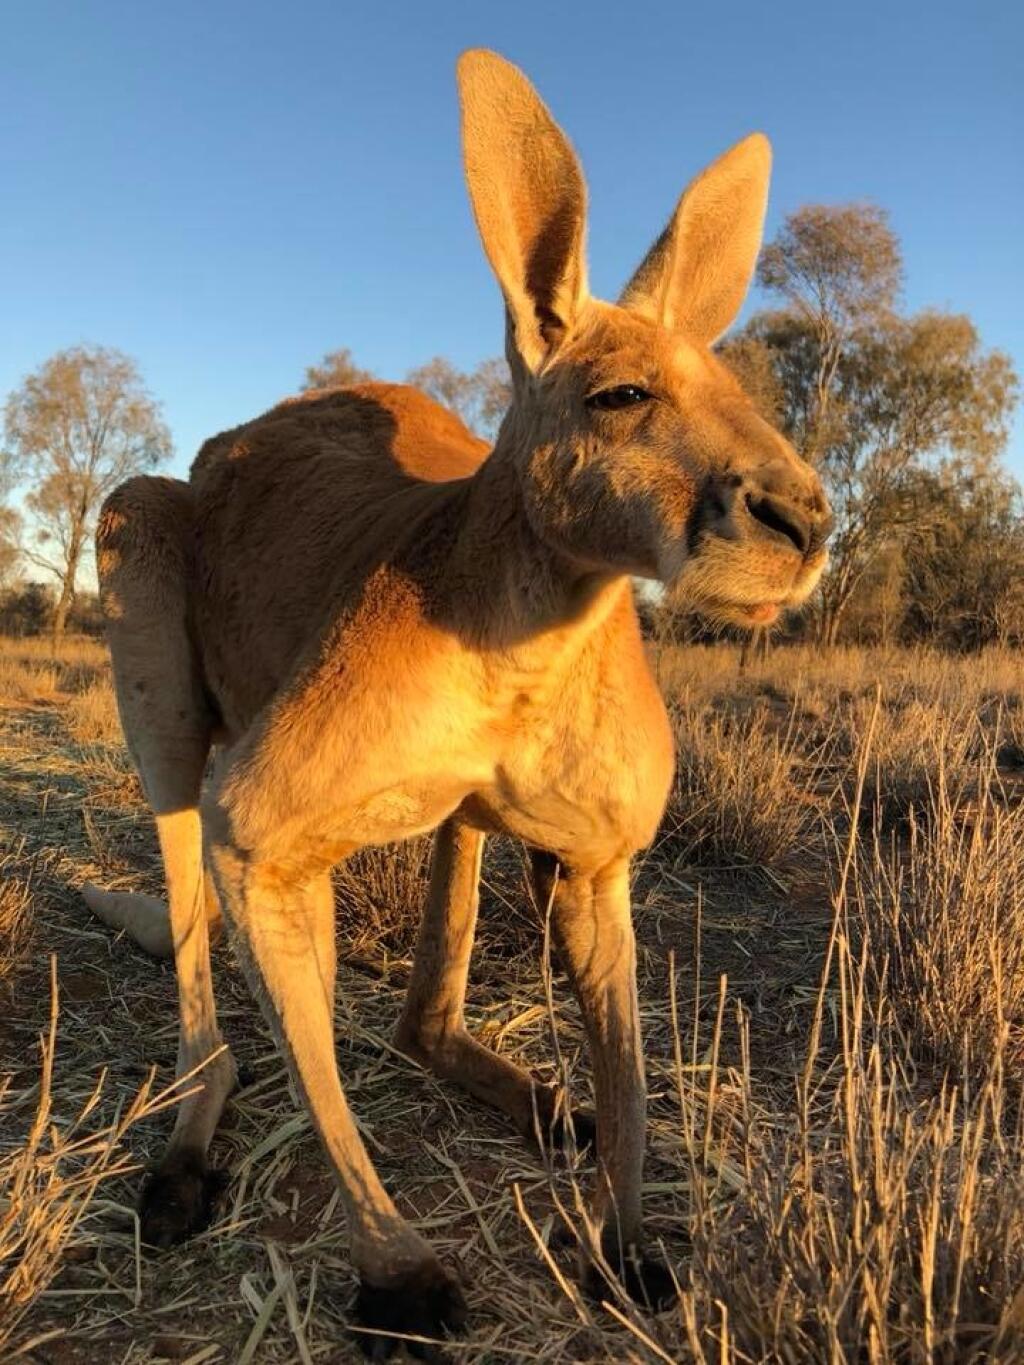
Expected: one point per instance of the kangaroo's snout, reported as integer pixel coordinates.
(775, 503)
(780, 518)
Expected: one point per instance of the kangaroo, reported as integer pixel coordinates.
(384, 629)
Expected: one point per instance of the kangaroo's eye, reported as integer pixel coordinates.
(622, 396)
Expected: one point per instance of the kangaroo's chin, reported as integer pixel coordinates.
(762, 614)
(767, 610)
(743, 584)
(747, 615)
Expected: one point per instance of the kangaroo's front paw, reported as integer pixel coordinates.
(553, 1126)
(179, 1198)
(646, 1279)
(584, 1129)
(425, 1302)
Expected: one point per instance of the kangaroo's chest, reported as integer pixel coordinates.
(588, 774)
(371, 745)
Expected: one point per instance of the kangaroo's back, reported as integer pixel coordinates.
(374, 429)
(321, 487)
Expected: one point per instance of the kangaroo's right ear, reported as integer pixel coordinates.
(529, 200)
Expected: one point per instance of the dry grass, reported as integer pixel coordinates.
(49, 1175)
(735, 805)
(944, 911)
(75, 651)
(833, 1049)
(30, 672)
(914, 743)
(15, 917)
(951, 681)
(883, 1223)
(91, 715)
(872, 1225)
(1011, 735)
(380, 893)
(21, 682)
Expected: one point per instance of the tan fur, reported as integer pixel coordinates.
(387, 629)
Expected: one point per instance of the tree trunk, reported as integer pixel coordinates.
(66, 600)
(754, 648)
(828, 623)
(831, 622)
(61, 612)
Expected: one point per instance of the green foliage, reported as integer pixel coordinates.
(836, 265)
(25, 609)
(479, 397)
(871, 396)
(963, 560)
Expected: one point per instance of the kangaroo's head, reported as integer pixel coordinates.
(637, 450)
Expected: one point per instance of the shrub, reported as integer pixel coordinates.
(944, 912)
(91, 715)
(734, 803)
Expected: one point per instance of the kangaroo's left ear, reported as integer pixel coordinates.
(696, 275)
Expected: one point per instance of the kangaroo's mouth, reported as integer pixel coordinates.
(746, 614)
(739, 584)
(761, 614)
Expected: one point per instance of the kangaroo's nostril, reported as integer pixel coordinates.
(784, 520)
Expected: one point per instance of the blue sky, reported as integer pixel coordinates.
(228, 190)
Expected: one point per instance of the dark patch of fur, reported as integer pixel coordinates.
(179, 1198)
(584, 1127)
(648, 1282)
(550, 1118)
(427, 1302)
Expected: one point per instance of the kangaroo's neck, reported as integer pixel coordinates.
(512, 588)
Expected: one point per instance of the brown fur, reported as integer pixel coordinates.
(387, 629)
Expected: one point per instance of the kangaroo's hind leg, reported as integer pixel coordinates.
(143, 556)
(433, 1028)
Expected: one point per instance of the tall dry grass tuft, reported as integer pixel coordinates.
(91, 715)
(72, 650)
(944, 913)
(28, 682)
(380, 893)
(871, 1225)
(735, 803)
(31, 672)
(858, 1217)
(15, 917)
(914, 742)
(881, 1226)
(49, 1176)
